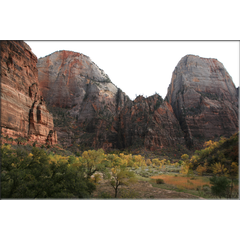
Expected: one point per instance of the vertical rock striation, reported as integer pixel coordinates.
(204, 98)
(70, 80)
(202, 101)
(148, 122)
(23, 110)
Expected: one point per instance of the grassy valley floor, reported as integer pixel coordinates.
(139, 190)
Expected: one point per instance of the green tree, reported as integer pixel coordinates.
(92, 161)
(119, 173)
(233, 176)
(33, 175)
(121, 176)
(220, 186)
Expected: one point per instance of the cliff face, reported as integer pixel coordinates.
(204, 98)
(71, 81)
(89, 110)
(148, 122)
(23, 111)
(101, 114)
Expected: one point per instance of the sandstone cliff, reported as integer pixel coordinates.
(204, 98)
(89, 110)
(146, 122)
(98, 113)
(71, 81)
(23, 110)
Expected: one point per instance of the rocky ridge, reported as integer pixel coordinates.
(201, 103)
(90, 111)
(23, 110)
(102, 115)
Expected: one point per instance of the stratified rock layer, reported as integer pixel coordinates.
(23, 111)
(204, 98)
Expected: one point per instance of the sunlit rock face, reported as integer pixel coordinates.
(72, 81)
(23, 110)
(204, 98)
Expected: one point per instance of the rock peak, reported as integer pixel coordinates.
(202, 94)
(69, 76)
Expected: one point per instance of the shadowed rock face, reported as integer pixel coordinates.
(23, 111)
(148, 122)
(204, 98)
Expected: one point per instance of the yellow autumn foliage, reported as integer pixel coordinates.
(184, 168)
(148, 162)
(201, 169)
(219, 169)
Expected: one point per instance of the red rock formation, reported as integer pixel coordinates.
(70, 80)
(23, 111)
(201, 101)
(204, 98)
(148, 122)
(105, 116)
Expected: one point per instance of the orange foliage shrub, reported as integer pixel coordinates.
(182, 182)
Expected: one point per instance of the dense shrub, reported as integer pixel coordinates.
(220, 186)
(159, 181)
(33, 175)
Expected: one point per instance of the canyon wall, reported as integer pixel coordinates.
(23, 110)
(201, 103)
(148, 122)
(72, 81)
(204, 98)
(102, 115)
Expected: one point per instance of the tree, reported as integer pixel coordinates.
(92, 161)
(148, 162)
(202, 169)
(121, 176)
(184, 168)
(185, 157)
(233, 175)
(219, 169)
(220, 186)
(36, 175)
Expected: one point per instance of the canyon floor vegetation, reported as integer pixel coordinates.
(29, 171)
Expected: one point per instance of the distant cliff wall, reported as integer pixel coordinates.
(204, 98)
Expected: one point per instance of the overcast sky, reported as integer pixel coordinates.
(144, 67)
